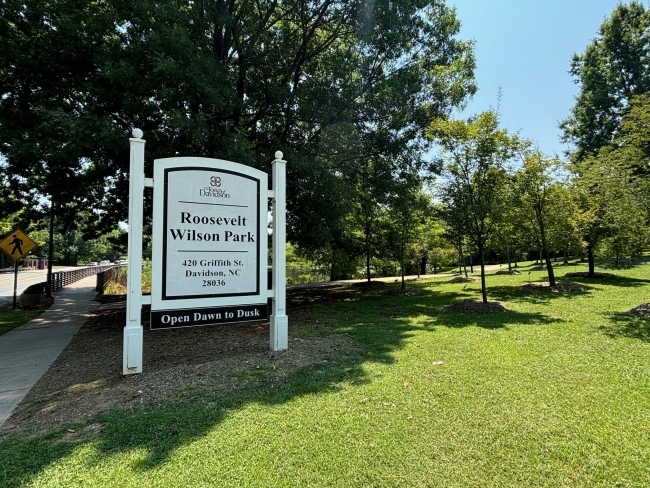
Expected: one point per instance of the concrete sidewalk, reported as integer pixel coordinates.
(27, 351)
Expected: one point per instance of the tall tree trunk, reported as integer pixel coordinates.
(566, 257)
(368, 251)
(471, 264)
(549, 267)
(590, 259)
(508, 258)
(402, 263)
(423, 263)
(368, 266)
(482, 262)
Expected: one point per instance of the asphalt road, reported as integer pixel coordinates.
(25, 278)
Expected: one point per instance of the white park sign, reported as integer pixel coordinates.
(209, 242)
(209, 258)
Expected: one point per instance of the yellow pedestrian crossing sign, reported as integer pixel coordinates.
(17, 244)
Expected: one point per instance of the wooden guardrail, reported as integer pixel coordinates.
(63, 278)
(104, 277)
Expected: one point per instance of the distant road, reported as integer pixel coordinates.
(25, 278)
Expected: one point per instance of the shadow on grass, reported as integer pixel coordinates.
(430, 304)
(380, 324)
(621, 265)
(615, 280)
(536, 297)
(626, 325)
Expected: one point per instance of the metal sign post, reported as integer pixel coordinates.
(15, 282)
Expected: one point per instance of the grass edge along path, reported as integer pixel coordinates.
(553, 392)
(10, 319)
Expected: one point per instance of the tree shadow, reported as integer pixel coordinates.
(493, 320)
(160, 428)
(626, 325)
(622, 265)
(379, 325)
(536, 297)
(431, 304)
(614, 280)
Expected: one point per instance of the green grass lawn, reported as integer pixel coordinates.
(10, 319)
(554, 392)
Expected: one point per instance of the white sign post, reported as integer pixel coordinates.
(209, 247)
(133, 332)
(279, 322)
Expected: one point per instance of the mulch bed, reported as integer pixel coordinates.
(597, 276)
(407, 292)
(560, 287)
(369, 284)
(474, 306)
(462, 279)
(642, 311)
(87, 377)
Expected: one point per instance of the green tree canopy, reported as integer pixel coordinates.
(332, 83)
(475, 153)
(614, 68)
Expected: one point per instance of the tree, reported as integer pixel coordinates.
(614, 68)
(408, 208)
(475, 153)
(604, 198)
(542, 205)
(231, 79)
(612, 186)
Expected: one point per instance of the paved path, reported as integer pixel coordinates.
(27, 351)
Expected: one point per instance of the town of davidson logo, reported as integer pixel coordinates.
(213, 190)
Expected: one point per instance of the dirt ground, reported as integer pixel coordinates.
(87, 377)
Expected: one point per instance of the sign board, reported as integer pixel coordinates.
(210, 243)
(17, 244)
(209, 247)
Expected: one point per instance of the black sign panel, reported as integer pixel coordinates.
(171, 319)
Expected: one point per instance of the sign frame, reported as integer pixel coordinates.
(163, 169)
(133, 337)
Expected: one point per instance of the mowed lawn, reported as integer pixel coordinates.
(554, 392)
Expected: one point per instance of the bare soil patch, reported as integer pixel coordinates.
(560, 287)
(87, 377)
(474, 306)
(642, 311)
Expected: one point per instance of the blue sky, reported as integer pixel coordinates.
(525, 46)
